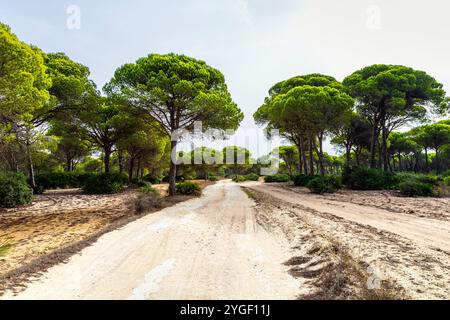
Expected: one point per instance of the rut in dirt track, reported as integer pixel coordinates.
(422, 231)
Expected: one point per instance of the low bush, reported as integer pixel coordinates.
(418, 178)
(277, 178)
(153, 179)
(213, 178)
(188, 188)
(368, 179)
(140, 183)
(446, 173)
(251, 177)
(239, 179)
(38, 190)
(302, 180)
(14, 190)
(62, 180)
(105, 183)
(413, 188)
(446, 181)
(147, 202)
(324, 184)
(149, 189)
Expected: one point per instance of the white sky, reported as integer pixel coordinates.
(255, 43)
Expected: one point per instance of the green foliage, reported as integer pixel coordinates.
(24, 83)
(412, 188)
(38, 189)
(239, 159)
(139, 183)
(149, 189)
(417, 178)
(105, 183)
(277, 178)
(394, 93)
(176, 91)
(252, 177)
(190, 85)
(213, 178)
(153, 179)
(14, 190)
(62, 180)
(324, 184)
(396, 89)
(239, 178)
(446, 181)
(302, 180)
(308, 106)
(368, 179)
(247, 177)
(188, 188)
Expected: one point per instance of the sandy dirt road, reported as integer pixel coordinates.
(422, 231)
(206, 248)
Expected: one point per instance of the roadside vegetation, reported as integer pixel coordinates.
(65, 133)
(360, 116)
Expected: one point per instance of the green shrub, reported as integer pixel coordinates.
(418, 178)
(38, 190)
(105, 183)
(62, 180)
(251, 177)
(324, 184)
(413, 188)
(368, 179)
(446, 173)
(83, 177)
(277, 178)
(446, 181)
(239, 179)
(188, 188)
(148, 189)
(213, 178)
(302, 180)
(140, 183)
(153, 179)
(14, 190)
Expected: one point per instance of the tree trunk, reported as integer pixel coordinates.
(348, 149)
(427, 166)
(30, 166)
(380, 155)
(120, 159)
(305, 162)
(173, 170)
(319, 151)
(357, 155)
(131, 169)
(69, 163)
(384, 152)
(373, 144)
(138, 172)
(311, 157)
(438, 164)
(300, 158)
(107, 159)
